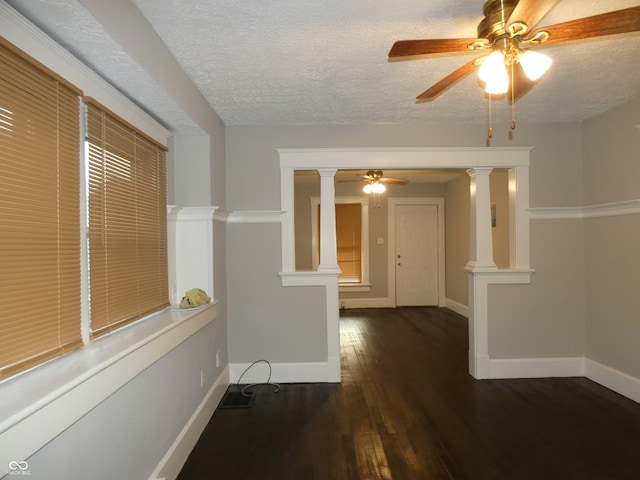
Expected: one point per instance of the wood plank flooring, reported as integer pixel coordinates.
(407, 409)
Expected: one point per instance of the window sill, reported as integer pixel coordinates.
(39, 404)
(354, 287)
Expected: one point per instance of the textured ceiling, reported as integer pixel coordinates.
(310, 62)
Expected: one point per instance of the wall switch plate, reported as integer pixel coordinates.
(380, 240)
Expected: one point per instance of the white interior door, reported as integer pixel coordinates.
(416, 256)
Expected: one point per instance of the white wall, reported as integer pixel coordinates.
(612, 263)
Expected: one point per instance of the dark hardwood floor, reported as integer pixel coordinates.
(407, 409)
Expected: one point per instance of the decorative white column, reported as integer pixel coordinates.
(328, 242)
(480, 241)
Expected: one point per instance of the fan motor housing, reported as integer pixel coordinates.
(492, 25)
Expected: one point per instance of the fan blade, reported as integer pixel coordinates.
(611, 23)
(448, 81)
(395, 181)
(530, 12)
(520, 84)
(411, 49)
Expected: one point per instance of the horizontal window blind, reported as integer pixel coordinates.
(349, 239)
(39, 213)
(127, 229)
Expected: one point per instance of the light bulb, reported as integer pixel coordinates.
(367, 188)
(494, 73)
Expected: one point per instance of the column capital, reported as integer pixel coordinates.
(327, 172)
(472, 172)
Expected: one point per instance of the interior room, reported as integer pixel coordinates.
(271, 118)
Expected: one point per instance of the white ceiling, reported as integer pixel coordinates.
(298, 62)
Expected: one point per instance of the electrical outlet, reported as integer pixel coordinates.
(202, 378)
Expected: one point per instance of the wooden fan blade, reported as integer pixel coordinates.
(611, 23)
(411, 49)
(343, 180)
(447, 81)
(520, 84)
(530, 12)
(395, 181)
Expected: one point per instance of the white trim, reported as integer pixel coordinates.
(403, 158)
(311, 372)
(536, 367)
(608, 377)
(354, 287)
(614, 209)
(38, 405)
(190, 214)
(457, 307)
(26, 36)
(515, 159)
(255, 216)
(174, 459)
(392, 203)
(618, 381)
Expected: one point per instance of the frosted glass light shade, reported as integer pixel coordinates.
(494, 73)
(374, 188)
(534, 64)
(378, 188)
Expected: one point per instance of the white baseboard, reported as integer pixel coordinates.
(615, 380)
(457, 307)
(173, 461)
(608, 377)
(537, 367)
(382, 302)
(319, 372)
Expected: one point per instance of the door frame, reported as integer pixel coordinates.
(392, 202)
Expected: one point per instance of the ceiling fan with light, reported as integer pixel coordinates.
(374, 181)
(374, 184)
(508, 37)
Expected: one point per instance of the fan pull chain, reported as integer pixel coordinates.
(490, 132)
(513, 98)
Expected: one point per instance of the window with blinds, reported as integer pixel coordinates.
(127, 240)
(349, 241)
(39, 213)
(40, 217)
